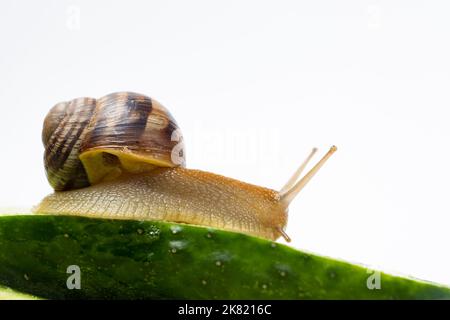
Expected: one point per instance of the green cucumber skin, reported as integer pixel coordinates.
(125, 259)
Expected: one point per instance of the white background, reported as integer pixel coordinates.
(254, 86)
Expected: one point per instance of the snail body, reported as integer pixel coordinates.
(122, 157)
(178, 195)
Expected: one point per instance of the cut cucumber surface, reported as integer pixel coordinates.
(126, 259)
(10, 294)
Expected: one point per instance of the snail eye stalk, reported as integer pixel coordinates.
(297, 173)
(292, 188)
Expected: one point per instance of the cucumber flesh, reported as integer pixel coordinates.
(10, 294)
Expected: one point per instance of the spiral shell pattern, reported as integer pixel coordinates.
(122, 121)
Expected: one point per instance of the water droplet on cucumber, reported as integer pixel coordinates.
(283, 269)
(175, 229)
(177, 245)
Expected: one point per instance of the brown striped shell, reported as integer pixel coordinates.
(85, 135)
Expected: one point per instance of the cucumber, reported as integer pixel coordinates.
(10, 294)
(126, 259)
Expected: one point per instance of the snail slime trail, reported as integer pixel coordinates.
(113, 158)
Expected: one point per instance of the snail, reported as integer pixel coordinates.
(122, 157)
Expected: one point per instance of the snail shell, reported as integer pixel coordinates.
(90, 140)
